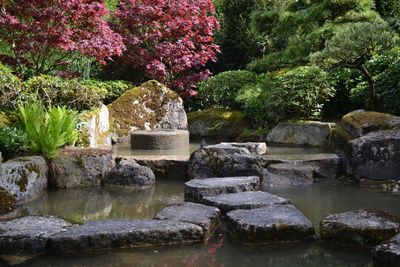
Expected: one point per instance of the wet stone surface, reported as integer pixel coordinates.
(196, 189)
(361, 227)
(243, 200)
(273, 223)
(387, 254)
(119, 234)
(29, 234)
(209, 218)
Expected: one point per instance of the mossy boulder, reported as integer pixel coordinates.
(24, 178)
(83, 167)
(147, 107)
(94, 128)
(220, 124)
(7, 201)
(361, 122)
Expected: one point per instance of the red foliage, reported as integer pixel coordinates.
(37, 30)
(170, 40)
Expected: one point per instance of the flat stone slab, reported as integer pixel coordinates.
(243, 200)
(118, 234)
(255, 148)
(273, 223)
(196, 189)
(209, 218)
(287, 174)
(361, 227)
(387, 254)
(29, 234)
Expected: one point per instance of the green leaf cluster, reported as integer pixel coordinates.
(48, 129)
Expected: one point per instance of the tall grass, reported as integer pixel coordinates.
(48, 130)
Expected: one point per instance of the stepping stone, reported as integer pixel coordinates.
(243, 200)
(387, 254)
(29, 234)
(255, 148)
(196, 189)
(209, 218)
(119, 234)
(361, 227)
(273, 223)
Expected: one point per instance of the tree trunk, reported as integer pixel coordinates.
(372, 91)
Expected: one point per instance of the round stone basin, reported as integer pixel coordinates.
(160, 140)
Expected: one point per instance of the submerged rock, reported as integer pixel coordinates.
(196, 189)
(118, 234)
(24, 178)
(223, 160)
(374, 156)
(29, 234)
(147, 107)
(273, 223)
(218, 124)
(129, 173)
(243, 200)
(361, 122)
(387, 254)
(361, 227)
(209, 218)
(83, 167)
(308, 133)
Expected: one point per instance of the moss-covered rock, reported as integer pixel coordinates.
(339, 138)
(361, 122)
(7, 201)
(148, 106)
(4, 121)
(217, 123)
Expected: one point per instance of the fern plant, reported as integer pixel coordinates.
(48, 129)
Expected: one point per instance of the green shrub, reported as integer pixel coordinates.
(287, 95)
(48, 129)
(220, 91)
(12, 140)
(10, 88)
(114, 89)
(55, 91)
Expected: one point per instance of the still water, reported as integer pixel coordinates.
(315, 201)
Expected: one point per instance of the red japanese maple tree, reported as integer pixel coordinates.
(41, 33)
(170, 40)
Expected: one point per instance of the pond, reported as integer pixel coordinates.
(315, 201)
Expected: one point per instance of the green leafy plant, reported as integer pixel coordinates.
(48, 129)
(12, 140)
(287, 95)
(55, 91)
(10, 88)
(113, 89)
(220, 91)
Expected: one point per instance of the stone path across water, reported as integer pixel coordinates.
(196, 189)
(243, 200)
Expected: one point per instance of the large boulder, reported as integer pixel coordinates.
(223, 160)
(273, 223)
(387, 254)
(82, 167)
(243, 200)
(124, 233)
(29, 234)
(130, 174)
(308, 133)
(217, 124)
(361, 122)
(209, 218)
(94, 128)
(361, 228)
(147, 107)
(374, 156)
(196, 189)
(24, 178)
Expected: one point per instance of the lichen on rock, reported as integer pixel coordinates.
(7, 201)
(148, 106)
